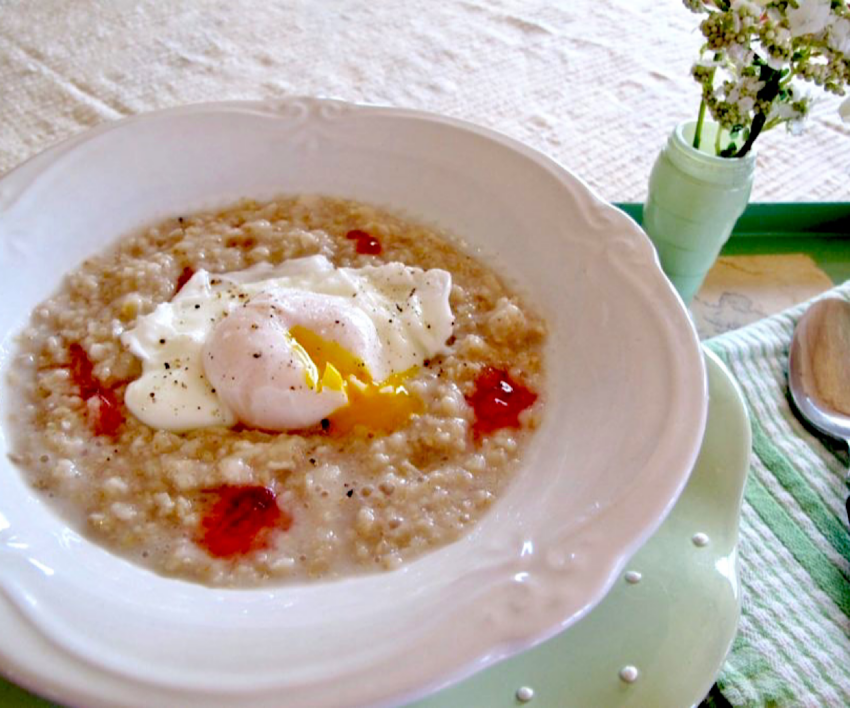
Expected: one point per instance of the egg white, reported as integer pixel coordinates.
(392, 317)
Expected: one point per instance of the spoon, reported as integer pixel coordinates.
(819, 369)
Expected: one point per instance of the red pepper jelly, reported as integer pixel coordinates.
(82, 371)
(497, 401)
(106, 415)
(184, 277)
(240, 520)
(109, 416)
(366, 243)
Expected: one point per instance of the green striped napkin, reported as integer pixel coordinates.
(793, 644)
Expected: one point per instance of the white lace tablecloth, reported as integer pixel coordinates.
(596, 84)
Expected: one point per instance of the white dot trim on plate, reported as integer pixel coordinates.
(700, 539)
(633, 577)
(524, 694)
(629, 674)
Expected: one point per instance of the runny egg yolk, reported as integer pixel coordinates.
(378, 407)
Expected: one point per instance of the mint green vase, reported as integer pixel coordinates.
(694, 200)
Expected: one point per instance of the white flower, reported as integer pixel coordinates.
(774, 16)
(838, 38)
(774, 39)
(744, 93)
(739, 55)
(783, 111)
(788, 111)
(844, 110)
(746, 104)
(774, 62)
(809, 17)
(752, 85)
(796, 127)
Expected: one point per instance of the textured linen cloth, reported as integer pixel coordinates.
(596, 84)
(793, 643)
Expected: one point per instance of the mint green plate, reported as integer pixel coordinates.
(674, 626)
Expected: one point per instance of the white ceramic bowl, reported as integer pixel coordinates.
(625, 416)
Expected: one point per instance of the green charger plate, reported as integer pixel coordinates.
(674, 626)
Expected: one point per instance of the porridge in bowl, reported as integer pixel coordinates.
(301, 389)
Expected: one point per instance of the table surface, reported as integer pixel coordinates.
(595, 84)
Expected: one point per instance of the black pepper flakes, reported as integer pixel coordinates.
(257, 355)
(349, 493)
(325, 424)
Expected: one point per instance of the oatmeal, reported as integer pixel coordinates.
(215, 500)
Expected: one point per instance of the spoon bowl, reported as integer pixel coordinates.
(819, 367)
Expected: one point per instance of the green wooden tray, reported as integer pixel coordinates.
(818, 229)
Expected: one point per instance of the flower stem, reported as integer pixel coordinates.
(755, 129)
(717, 139)
(700, 120)
(767, 93)
(787, 80)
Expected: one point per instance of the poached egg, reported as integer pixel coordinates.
(291, 346)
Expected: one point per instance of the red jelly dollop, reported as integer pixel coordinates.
(240, 520)
(107, 415)
(82, 371)
(366, 243)
(497, 401)
(184, 277)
